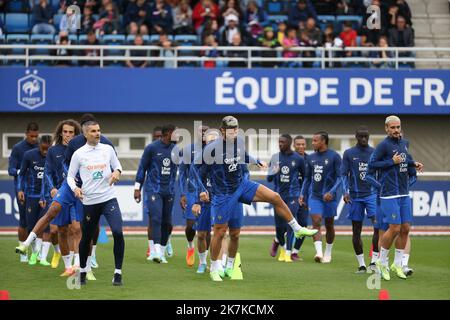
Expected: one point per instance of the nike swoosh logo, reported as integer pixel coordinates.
(158, 154)
(59, 156)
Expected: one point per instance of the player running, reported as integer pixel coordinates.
(159, 173)
(222, 161)
(98, 167)
(70, 216)
(392, 159)
(156, 135)
(284, 170)
(29, 192)
(14, 162)
(322, 179)
(358, 193)
(188, 196)
(302, 213)
(64, 196)
(202, 210)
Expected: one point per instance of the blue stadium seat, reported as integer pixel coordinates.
(114, 40)
(17, 23)
(275, 7)
(325, 20)
(72, 38)
(275, 19)
(55, 4)
(14, 6)
(17, 39)
(188, 53)
(154, 38)
(57, 20)
(82, 39)
(186, 38)
(130, 39)
(41, 39)
(355, 20)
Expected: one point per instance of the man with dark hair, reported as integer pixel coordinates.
(97, 165)
(158, 171)
(322, 179)
(302, 213)
(284, 169)
(68, 221)
(359, 193)
(15, 160)
(29, 192)
(223, 162)
(187, 192)
(156, 135)
(65, 196)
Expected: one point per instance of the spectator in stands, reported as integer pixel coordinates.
(314, 34)
(383, 43)
(63, 52)
(138, 41)
(269, 40)
(43, 18)
(282, 28)
(232, 28)
(332, 41)
(348, 36)
(212, 28)
(231, 7)
(325, 7)
(167, 51)
(88, 20)
(256, 19)
(401, 36)
(182, 18)
(91, 41)
(161, 17)
(138, 14)
(237, 42)
(290, 41)
(108, 22)
(1, 26)
(204, 11)
(211, 52)
(305, 41)
(392, 16)
(350, 7)
(405, 11)
(68, 23)
(299, 13)
(62, 7)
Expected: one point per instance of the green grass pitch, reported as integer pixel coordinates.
(264, 276)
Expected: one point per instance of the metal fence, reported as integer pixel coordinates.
(321, 56)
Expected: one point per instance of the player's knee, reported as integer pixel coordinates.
(275, 198)
(201, 236)
(404, 230)
(395, 229)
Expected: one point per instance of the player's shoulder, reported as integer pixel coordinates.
(18, 145)
(105, 140)
(29, 153)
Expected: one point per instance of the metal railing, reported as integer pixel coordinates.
(323, 56)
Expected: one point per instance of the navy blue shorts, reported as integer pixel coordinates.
(397, 210)
(22, 213)
(359, 208)
(326, 209)
(65, 195)
(379, 224)
(191, 198)
(203, 221)
(227, 209)
(34, 212)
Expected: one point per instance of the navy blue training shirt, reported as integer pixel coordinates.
(355, 165)
(32, 173)
(322, 174)
(15, 159)
(291, 166)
